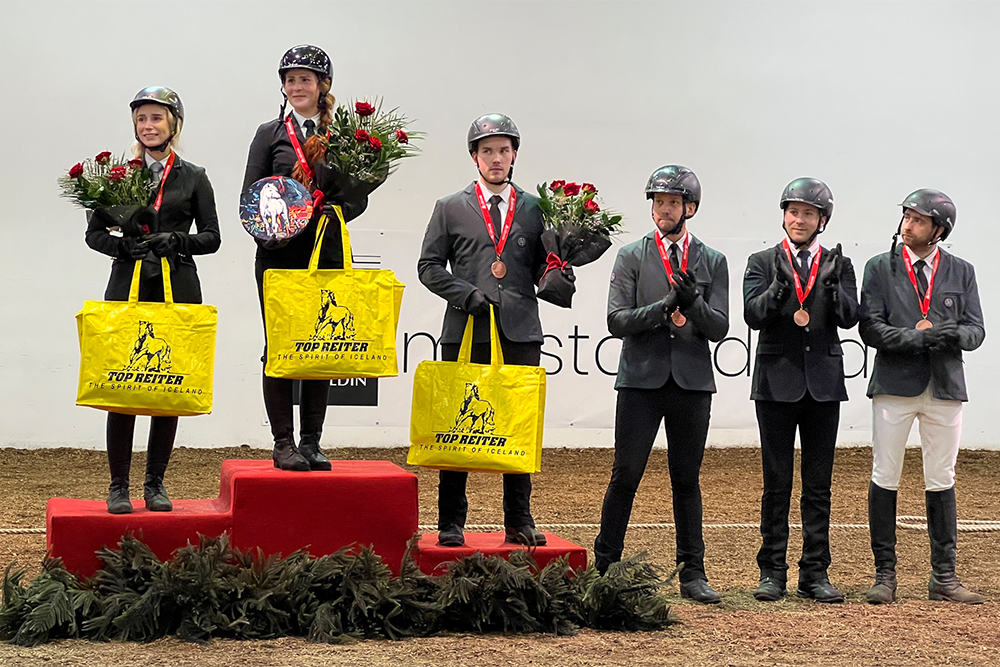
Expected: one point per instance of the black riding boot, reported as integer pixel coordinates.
(162, 431)
(882, 523)
(942, 528)
(119, 442)
(312, 413)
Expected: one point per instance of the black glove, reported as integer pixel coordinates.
(669, 302)
(477, 304)
(686, 289)
(161, 244)
(274, 244)
(130, 247)
(829, 273)
(942, 337)
(784, 274)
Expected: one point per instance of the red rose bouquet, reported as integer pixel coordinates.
(577, 232)
(116, 190)
(362, 146)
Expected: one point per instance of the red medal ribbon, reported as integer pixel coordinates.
(666, 260)
(925, 299)
(813, 271)
(489, 222)
(163, 179)
(292, 137)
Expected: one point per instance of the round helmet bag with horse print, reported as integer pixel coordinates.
(276, 208)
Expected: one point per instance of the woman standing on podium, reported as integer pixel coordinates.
(183, 194)
(306, 74)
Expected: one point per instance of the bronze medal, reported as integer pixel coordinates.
(498, 269)
(924, 324)
(677, 317)
(801, 317)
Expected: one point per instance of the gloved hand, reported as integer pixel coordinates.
(669, 302)
(161, 244)
(130, 247)
(829, 273)
(477, 304)
(942, 337)
(274, 244)
(784, 274)
(686, 289)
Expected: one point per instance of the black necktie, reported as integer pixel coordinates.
(310, 128)
(495, 214)
(675, 263)
(804, 266)
(918, 268)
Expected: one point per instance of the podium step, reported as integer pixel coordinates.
(432, 558)
(362, 503)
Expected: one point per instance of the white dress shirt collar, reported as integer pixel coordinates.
(928, 261)
(300, 119)
(813, 249)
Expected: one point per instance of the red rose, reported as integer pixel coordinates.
(571, 189)
(135, 164)
(361, 136)
(363, 109)
(555, 185)
(590, 206)
(375, 143)
(76, 171)
(589, 187)
(117, 173)
(401, 137)
(103, 158)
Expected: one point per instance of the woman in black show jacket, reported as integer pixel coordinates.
(306, 74)
(187, 196)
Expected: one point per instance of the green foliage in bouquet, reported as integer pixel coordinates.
(105, 181)
(366, 142)
(572, 205)
(210, 590)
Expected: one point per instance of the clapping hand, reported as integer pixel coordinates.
(686, 289)
(829, 273)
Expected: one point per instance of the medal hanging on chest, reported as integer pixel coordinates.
(677, 317)
(924, 299)
(498, 268)
(801, 316)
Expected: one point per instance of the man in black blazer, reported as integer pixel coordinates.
(669, 296)
(797, 294)
(490, 235)
(919, 310)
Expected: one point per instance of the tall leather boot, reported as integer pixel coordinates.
(162, 431)
(312, 412)
(942, 528)
(119, 442)
(882, 523)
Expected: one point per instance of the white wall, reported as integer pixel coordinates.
(876, 98)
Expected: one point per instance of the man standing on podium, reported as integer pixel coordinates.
(919, 310)
(669, 296)
(490, 234)
(798, 294)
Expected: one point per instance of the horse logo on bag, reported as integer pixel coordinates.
(476, 414)
(149, 352)
(333, 322)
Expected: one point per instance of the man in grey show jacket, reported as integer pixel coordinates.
(487, 272)
(919, 310)
(665, 369)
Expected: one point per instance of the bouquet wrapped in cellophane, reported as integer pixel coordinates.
(116, 190)
(577, 232)
(362, 146)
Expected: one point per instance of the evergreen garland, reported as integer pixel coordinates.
(213, 590)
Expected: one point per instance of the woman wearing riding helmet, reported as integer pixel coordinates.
(182, 194)
(306, 75)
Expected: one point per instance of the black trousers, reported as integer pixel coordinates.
(817, 424)
(685, 415)
(453, 506)
(278, 391)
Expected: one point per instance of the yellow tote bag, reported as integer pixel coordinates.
(331, 323)
(477, 417)
(147, 358)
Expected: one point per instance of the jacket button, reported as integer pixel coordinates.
(673, 336)
(500, 286)
(807, 328)
(807, 348)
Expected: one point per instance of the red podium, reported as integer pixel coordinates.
(432, 558)
(358, 502)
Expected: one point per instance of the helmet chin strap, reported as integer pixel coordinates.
(156, 149)
(812, 237)
(510, 176)
(679, 227)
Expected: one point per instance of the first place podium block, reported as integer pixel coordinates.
(364, 503)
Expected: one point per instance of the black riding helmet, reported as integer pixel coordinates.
(934, 204)
(494, 125)
(306, 56)
(673, 179)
